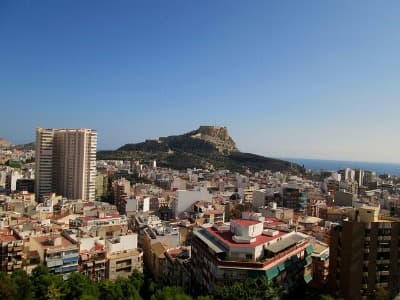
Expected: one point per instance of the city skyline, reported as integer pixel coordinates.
(309, 79)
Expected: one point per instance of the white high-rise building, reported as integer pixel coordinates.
(66, 163)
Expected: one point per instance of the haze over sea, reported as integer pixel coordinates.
(334, 165)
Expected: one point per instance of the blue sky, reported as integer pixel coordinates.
(315, 79)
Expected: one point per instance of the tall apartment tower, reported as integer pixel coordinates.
(66, 163)
(364, 256)
(44, 162)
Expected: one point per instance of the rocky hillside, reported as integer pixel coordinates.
(4, 143)
(216, 135)
(201, 148)
(28, 146)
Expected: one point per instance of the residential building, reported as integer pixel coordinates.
(320, 265)
(342, 198)
(121, 191)
(56, 252)
(44, 173)
(244, 249)
(291, 198)
(101, 185)
(184, 199)
(123, 256)
(11, 181)
(11, 252)
(364, 255)
(273, 211)
(93, 262)
(177, 270)
(66, 163)
(25, 185)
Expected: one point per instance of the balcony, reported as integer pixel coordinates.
(386, 272)
(382, 261)
(383, 249)
(122, 265)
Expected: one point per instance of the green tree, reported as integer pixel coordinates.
(170, 293)
(137, 279)
(8, 289)
(42, 279)
(128, 289)
(326, 297)
(88, 297)
(54, 292)
(204, 298)
(250, 289)
(380, 294)
(21, 279)
(13, 164)
(110, 291)
(79, 285)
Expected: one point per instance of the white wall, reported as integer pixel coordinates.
(185, 199)
(146, 204)
(126, 242)
(88, 243)
(247, 231)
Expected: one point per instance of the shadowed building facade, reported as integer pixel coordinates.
(364, 255)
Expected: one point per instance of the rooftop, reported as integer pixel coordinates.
(47, 242)
(320, 247)
(246, 222)
(286, 242)
(226, 238)
(211, 212)
(6, 238)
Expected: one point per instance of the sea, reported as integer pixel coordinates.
(335, 165)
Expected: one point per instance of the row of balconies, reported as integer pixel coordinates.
(61, 255)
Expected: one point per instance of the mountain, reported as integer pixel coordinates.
(28, 146)
(4, 143)
(208, 145)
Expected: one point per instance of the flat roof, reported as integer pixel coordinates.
(214, 246)
(270, 221)
(211, 212)
(226, 238)
(43, 240)
(7, 238)
(285, 242)
(246, 222)
(319, 247)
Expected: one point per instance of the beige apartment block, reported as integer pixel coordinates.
(66, 163)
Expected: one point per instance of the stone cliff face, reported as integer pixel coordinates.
(216, 135)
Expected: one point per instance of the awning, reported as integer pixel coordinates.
(272, 273)
(281, 267)
(307, 278)
(308, 260)
(254, 274)
(324, 256)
